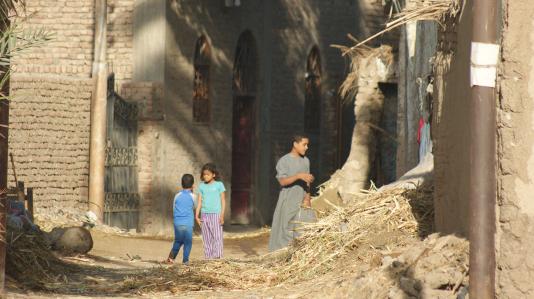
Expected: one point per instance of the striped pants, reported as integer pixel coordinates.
(212, 236)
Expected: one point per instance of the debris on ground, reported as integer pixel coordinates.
(30, 261)
(367, 223)
(371, 246)
(66, 218)
(367, 227)
(435, 268)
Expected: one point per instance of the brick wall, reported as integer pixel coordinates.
(169, 142)
(70, 53)
(515, 154)
(120, 39)
(284, 32)
(52, 90)
(49, 139)
(71, 50)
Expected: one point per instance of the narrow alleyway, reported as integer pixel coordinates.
(409, 170)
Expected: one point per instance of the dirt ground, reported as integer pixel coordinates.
(378, 246)
(115, 257)
(147, 250)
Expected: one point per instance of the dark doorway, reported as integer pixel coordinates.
(243, 129)
(312, 110)
(384, 170)
(242, 157)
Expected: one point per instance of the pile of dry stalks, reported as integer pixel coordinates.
(202, 276)
(30, 262)
(373, 222)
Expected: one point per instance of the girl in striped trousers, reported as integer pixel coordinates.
(211, 204)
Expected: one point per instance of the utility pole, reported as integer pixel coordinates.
(482, 193)
(97, 153)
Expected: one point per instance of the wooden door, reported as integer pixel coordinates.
(242, 157)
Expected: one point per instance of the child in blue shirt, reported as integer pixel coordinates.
(183, 213)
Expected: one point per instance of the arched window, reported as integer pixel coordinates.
(244, 77)
(201, 102)
(312, 106)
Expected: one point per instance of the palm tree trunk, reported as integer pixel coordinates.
(368, 111)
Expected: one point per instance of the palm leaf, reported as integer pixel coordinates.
(14, 39)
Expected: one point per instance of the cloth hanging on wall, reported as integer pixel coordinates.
(425, 146)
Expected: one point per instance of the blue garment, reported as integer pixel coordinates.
(425, 147)
(211, 196)
(183, 235)
(183, 206)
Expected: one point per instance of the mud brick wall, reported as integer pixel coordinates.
(49, 139)
(515, 146)
(450, 132)
(71, 50)
(52, 91)
(515, 154)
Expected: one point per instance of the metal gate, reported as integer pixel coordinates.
(121, 205)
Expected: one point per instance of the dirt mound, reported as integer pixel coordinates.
(435, 268)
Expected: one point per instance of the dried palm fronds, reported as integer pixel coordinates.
(30, 262)
(362, 57)
(419, 10)
(394, 215)
(373, 222)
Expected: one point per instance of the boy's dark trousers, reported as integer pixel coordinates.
(183, 235)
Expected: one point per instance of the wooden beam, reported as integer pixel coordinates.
(4, 121)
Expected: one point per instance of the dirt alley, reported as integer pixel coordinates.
(129, 254)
